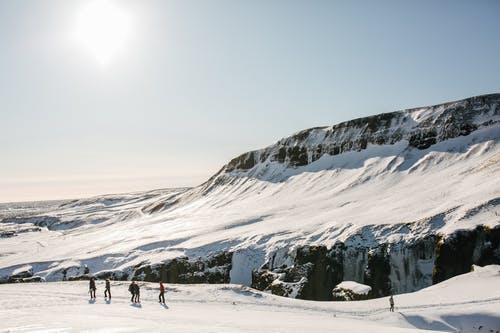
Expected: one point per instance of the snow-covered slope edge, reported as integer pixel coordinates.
(419, 128)
(409, 199)
(467, 303)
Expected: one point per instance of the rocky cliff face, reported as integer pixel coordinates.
(421, 127)
(387, 268)
(213, 269)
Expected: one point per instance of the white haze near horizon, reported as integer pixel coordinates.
(197, 83)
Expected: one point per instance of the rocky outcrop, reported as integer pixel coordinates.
(422, 128)
(350, 291)
(213, 269)
(456, 253)
(315, 273)
(386, 268)
(22, 275)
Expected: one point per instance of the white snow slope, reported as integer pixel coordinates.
(384, 193)
(467, 303)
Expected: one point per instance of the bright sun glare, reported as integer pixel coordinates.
(102, 28)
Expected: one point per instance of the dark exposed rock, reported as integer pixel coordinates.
(313, 276)
(457, 253)
(285, 289)
(377, 272)
(245, 161)
(262, 280)
(112, 275)
(297, 156)
(83, 277)
(213, 269)
(423, 139)
(219, 259)
(325, 271)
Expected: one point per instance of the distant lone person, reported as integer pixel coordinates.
(391, 302)
(161, 297)
(107, 290)
(92, 288)
(131, 288)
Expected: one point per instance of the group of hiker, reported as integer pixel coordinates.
(133, 288)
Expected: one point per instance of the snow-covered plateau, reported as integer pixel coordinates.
(469, 303)
(398, 202)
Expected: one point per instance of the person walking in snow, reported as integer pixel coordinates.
(137, 293)
(131, 289)
(391, 302)
(92, 288)
(161, 297)
(107, 290)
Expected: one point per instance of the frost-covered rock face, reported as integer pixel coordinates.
(421, 127)
(456, 253)
(386, 269)
(314, 273)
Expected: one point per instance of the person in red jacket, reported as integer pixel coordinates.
(161, 297)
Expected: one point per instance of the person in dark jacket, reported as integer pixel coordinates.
(391, 303)
(107, 290)
(131, 288)
(137, 293)
(161, 297)
(92, 288)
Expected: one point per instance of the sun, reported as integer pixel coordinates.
(102, 28)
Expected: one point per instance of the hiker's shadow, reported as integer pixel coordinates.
(108, 301)
(136, 305)
(91, 301)
(165, 306)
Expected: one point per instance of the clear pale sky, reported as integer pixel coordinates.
(196, 83)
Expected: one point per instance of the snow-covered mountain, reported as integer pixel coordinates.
(397, 201)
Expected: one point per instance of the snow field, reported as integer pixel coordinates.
(461, 304)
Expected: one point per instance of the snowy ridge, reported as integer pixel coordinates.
(420, 127)
(396, 179)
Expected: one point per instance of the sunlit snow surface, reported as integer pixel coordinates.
(358, 288)
(466, 303)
